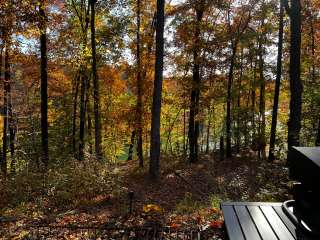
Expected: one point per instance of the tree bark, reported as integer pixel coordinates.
(89, 120)
(208, 129)
(277, 87)
(44, 85)
(294, 123)
(83, 81)
(1, 70)
(139, 112)
(96, 96)
(262, 103)
(195, 93)
(238, 136)
(5, 104)
(229, 98)
(253, 103)
(82, 115)
(154, 169)
(11, 123)
(74, 119)
(184, 133)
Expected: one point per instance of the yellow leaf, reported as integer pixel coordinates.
(21, 235)
(151, 208)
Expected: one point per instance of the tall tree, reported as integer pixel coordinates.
(10, 120)
(5, 104)
(96, 97)
(139, 90)
(155, 145)
(234, 39)
(262, 99)
(75, 93)
(294, 123)
(82, 13)
(1, 71)
(210, 116)
(196, 80)
(253, 98)
(238, 120)
(44, 83)
(277, 86)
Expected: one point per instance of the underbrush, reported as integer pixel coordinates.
(73, 185)
(189, 204)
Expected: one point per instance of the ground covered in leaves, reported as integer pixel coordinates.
(187, 197)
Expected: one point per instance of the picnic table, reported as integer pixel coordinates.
(259, 220)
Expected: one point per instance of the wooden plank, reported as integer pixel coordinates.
(251, 204)
(248, 227)
(261, 223)
(292, 228)
(277, 225)
(232, 224)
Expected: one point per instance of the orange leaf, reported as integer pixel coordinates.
(174, 226)
(199, 219)
(214, 210)
(216, 224)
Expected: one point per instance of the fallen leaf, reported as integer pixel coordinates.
(216, 224)
(174, 226)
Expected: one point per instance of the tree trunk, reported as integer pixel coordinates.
(5, 104)
(208, 130)
(253, 103)
(89, 120)
(11, 124)
(83, 83)
(74, 119)
(82, 116)
(96, 96)
(139, 93)
(229, 98)
(294, 123)
(44, 85)
(262, 104)
(238, 137)
(191, 135)
(246, 127)
(154, 169)
(195, 93)
(1, 70)
(88, 111)
(184, 133)
(277, 87)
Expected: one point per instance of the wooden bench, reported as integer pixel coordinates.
(258, 220)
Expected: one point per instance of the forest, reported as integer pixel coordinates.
(142, 112)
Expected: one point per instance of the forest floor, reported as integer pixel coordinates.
(186, 197)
